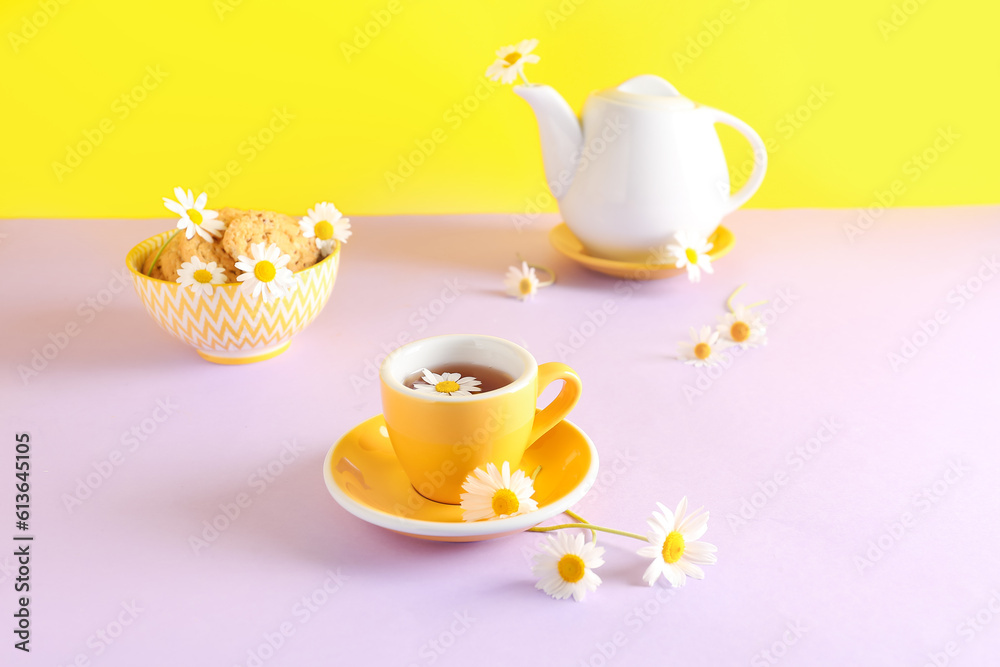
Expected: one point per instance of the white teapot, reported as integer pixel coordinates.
(642, 164)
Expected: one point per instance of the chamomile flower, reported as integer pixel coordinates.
(496, 494)
(743, 327)
(566, 567)
(703, 348)
(195, 219)
(452, 384)
(327, 225)
(521, 282)
(200, 276)
(673, 545)
(511, 60)
(690, 252)
(266, 274)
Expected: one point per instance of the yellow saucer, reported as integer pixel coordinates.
(563, 240)
(364, 477)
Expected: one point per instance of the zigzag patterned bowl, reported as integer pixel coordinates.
(227, 327)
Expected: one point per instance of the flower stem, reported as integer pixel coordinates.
(520, 73)
(729, 301)
(541, 283)
(534, 474)
(588, 526)
(573, 515)
(159, 252)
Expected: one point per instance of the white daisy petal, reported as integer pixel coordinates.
(689, 252)
(274, 281)
(521, 282)
(675, 576)
(694, 526)
(173, 206)
(565, 568)
(690, 569)
(652, 573)
(510, 61)
(681, 507)
(492, 489)
(704, 349)
(325, 224)
(677, 554)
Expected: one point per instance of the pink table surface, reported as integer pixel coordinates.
(854, 503)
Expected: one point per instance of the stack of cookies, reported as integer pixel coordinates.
(243, 228)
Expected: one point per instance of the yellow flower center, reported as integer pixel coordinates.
(203, 276)
(673, 547)
(265, 271)
(702, 350)
(740, 331)
(195, 215)
(571, 568)
(512, 58)
(692, 255)
(525, 286)
(447, 386)
(323, 230)
(505, 502)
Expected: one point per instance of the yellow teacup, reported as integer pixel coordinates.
(439, 439)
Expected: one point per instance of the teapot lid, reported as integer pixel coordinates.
(648, 90)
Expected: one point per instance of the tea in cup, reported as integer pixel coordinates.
(457, 402)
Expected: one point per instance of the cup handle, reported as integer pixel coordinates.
(741, 196)
(557, 410)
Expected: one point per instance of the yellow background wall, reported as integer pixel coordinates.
(172, 93)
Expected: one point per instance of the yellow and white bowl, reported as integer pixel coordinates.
(229, 327)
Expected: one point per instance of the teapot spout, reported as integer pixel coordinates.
(560, 132)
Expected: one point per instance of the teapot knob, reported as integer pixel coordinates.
(649, 84)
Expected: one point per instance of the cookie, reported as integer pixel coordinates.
(228, 214)
(249, 227)
(182, 249)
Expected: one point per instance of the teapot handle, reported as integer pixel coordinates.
(741, 196)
